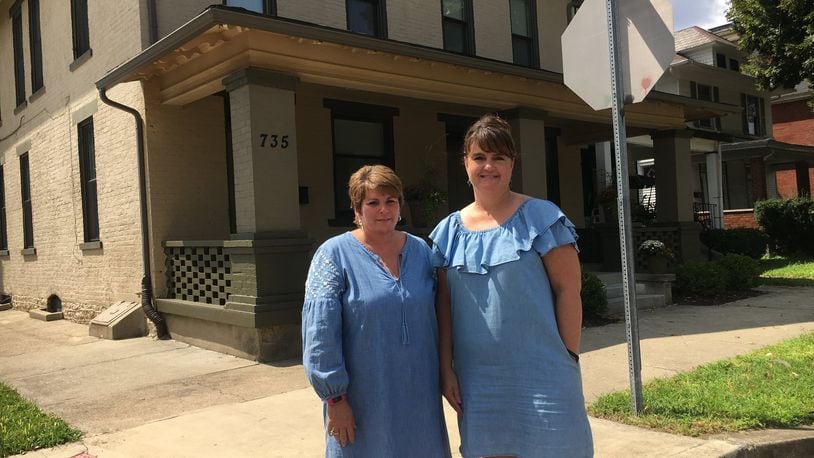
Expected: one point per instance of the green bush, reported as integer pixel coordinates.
(594, 297)
(742, 272)
(701, 278)
(745, 241)
(789, 224)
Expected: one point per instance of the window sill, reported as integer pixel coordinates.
(20, 107)
(36, 95)
(90, 246)
(28, 251)
(81, 60)
(3, 253)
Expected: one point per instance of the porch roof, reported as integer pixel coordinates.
(769, 149)
(191, 62)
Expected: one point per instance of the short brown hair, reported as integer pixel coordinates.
(379, 177)
(491, 133)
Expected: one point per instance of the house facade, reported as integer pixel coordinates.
(793, 122)
(248, 118)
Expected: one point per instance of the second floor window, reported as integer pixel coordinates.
(753, 120)
(79, 23)
(17, 43)
(268, 7)
(457, 26)
(524, 24)
(367, 17)
(709, 94)
(35, 41)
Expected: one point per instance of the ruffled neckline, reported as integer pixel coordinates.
(536, 224)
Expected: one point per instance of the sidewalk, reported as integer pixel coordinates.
(146, 398)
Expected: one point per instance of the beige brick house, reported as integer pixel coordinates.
(250, 121)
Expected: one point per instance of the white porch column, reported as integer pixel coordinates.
(528, 130)
(264, 149)
(715, 188)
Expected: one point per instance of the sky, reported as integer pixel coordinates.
(703, 13)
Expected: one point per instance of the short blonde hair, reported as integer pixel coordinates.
(378, 177)
(491, 133)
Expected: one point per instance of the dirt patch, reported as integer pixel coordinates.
(718, 299)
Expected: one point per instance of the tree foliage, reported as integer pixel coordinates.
(779, 34)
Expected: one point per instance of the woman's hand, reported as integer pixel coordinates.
(341, 425)
(451, 390)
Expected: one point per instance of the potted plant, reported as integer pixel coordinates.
(657, 256)
(424, 200)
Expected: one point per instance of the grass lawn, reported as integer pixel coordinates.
(24, 427)
(787, 272)
(771, 387)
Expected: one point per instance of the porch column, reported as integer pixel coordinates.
(528, 130)
(269, 254)
(674, 188)
(715, 188)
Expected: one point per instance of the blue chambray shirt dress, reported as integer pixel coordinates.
(522, 392)
(375, 338)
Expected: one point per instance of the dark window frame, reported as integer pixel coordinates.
(531, 39)
(735, 65)
(468, 25)
(3, 233)
(16, 15)
(80, 28)
(87, 174)
(35, 45)
(714, 96)
(379, 19)
(269, 7)
(720, 60)
(25, 195)
(355, 111)
(760, 122)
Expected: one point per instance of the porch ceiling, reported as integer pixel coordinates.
(192, 62)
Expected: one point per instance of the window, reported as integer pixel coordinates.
(35, 41)
(734, 65)
(3, 235)
(17, 38)
(720, 60)
(710, 94)
(367, 17)
(753, 120)
(268, 7)
(25, 191)
(457, 26)
(524, 28)
(362, 135)
(79, 21)
(87, 173)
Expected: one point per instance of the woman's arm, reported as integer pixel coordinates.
(449, 381)
(562, 266)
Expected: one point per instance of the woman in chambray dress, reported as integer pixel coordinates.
(509, 313)
(369, 331)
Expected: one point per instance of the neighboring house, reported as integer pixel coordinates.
(250, 122)
(793, 122)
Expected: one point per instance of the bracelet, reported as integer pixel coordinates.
(573, 355)
(336, 399)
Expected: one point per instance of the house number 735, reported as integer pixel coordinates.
(273, 141)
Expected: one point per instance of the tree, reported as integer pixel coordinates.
(779, 35)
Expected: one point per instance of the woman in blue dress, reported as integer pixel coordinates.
(510, 313)
(369, 331)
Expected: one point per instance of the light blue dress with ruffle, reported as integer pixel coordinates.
(374, 337)
(521, 390)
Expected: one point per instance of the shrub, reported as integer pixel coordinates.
(701, 278)
(594, 297)
(745, 241)
(789, 224)
(655, 248)
(742, 272)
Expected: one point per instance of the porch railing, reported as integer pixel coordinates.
(198, 271)
(703, 213)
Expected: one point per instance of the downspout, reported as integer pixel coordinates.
(152, 18)
(146, 281)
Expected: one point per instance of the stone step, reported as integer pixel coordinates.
(614, 290)
(616, 306)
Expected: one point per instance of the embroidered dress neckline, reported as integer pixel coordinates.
(379, 260)
(494, 228)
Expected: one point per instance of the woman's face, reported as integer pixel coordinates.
(379, 212)
(488, 171)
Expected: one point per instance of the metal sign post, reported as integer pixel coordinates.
(623, 204)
